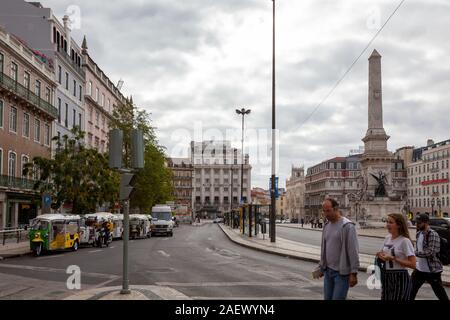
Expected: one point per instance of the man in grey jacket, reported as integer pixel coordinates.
(339, 259)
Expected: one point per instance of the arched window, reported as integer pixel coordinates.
(12, 162)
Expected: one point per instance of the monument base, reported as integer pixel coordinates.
(379, 208)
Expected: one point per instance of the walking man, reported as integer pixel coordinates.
(302, 221)
(429, 267)
(339, 258)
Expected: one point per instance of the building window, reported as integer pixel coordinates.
(26, 80)
(74, 88)
(47, 135)
(97, 142)
(90, 114)
(80, 90)
(96, 95)
(66, 119)
(74, 117)
(90, 140)
(97, 118)
(2, 59)
(13, 120)
(67, 81)
(37, 130)
(25, 160)
(79, 120)
(26, 125)
(109, 104)
(89, 88)
(103, 122)
(14, 70)
(103, 100)
(47, 95)
(37, 90)
(12, 161)
(59, 110)
(59, 74)
(1, 113)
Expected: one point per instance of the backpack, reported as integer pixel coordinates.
(444, 250)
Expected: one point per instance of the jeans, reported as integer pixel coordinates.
(335, 285)
(434, 279)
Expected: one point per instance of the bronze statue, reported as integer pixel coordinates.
(380, 191)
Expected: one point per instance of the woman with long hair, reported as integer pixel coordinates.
(398, 255)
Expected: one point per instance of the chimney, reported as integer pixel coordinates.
(430, 142)
(67, 31)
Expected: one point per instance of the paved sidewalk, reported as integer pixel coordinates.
(137, 293)
(298, 250)
(11, 250)
(372, 233)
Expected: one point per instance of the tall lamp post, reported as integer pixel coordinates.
(272, 187)
(439, 206)
(242, 112)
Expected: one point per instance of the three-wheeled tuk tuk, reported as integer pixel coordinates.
(50, 232)
(140, 226)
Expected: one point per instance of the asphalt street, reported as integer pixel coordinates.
(200, 262)
(368, 245)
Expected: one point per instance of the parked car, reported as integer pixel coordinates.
(218, 220)
(441, 226)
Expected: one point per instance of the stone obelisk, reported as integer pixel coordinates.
(375, 141)
(376, 161)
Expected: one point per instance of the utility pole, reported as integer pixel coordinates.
(272, 189)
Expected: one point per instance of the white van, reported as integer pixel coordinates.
(162, 222)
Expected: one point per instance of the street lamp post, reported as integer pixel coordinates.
(272, 187)
(439, 206)
(242, 112)
(432, 207)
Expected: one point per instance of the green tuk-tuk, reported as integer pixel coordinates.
(50, 232)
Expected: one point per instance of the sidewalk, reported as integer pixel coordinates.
(298, 250)
(372, 233)
(137, 293)
(11, 250)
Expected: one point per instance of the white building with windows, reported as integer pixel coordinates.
(217, 184)
(428, 179)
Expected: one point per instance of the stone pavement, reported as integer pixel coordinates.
(137, 293)
(298, 250)
(11, 250)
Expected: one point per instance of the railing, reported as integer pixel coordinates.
(18, 234)
(70, 61)
(25, 93)
(16, 183)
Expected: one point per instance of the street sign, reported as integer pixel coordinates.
(46, 203)
(277, 193)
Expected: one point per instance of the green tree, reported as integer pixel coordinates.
(154, 183)
(77, 176)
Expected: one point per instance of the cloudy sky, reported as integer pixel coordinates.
(191, 63)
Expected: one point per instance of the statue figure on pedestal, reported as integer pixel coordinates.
(380, 191)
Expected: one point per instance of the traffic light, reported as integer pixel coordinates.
(115, 148)
(127, 182)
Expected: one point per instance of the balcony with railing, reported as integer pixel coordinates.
(16, 183)
(13, 86)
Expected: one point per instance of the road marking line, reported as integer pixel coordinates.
(49, 269)
(51, 257)
(227, 284)
(165, 254)
(111, 247)
(94, 251)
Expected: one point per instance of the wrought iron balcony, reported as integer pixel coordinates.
(16, 183)
(26, 94)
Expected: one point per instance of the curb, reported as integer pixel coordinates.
(362, 269)
(14, 255)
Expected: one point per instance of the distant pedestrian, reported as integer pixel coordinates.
(320, 223)
(397, 253)
(339, 258)
(302, 221)
(429, 267)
